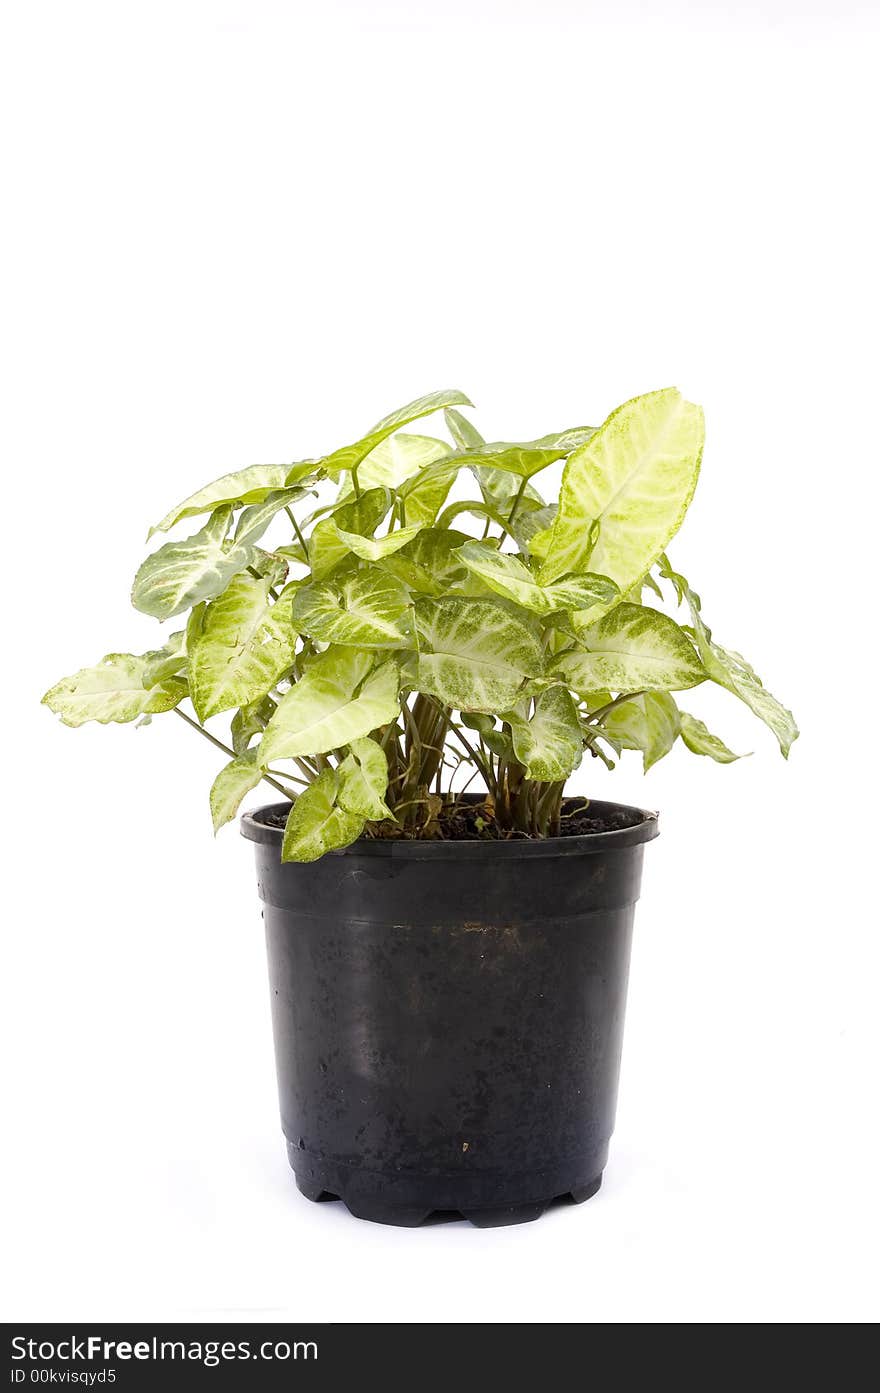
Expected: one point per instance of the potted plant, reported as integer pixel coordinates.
(416, 666)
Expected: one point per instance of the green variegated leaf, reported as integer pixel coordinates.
(465, 435)
(648, 722)
(363, 779)
(631, 648)
(730, 669)
(626, 491)
(507, 575)
(397, 459)
(167, 661)
(367, 609)
(253, 521)
(181, 574)
(375, 548)
(429, 564)
(243, 645)
(235, 780)
(701, 741)
(341, 696)
(249, 485)
(549, 742)
(270, 565)
(249, 721)
(317, 824)
(475, 653)
(529, 521)
(113, 690)
(423, 496)
(361, 515)
(351, 456)
(494, 738)
(528, 459)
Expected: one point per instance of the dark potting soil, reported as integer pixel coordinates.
(469, 822)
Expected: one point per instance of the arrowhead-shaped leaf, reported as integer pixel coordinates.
(700, 740)
(249, 485)
(363, 780)
(730, 669)
(168, 661)
(398, 458)
(317, 824)
(527, 459)
(243, 645)
(429, 564)
(632, 647)
(235, 780)
(249, 721)
(507, 575)
(350, 456)
(626, 491)
(113, 690)
(361, 515)
(375, 548)
(549, 742)
(181, 574)
(367, 609)
(649, 722)
(475, 653)
(424, 495)
(341, 696)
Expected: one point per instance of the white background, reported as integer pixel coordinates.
(240, 232)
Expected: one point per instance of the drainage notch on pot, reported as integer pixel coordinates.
(448, 1016)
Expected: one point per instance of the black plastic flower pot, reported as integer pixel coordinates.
(448, 1016)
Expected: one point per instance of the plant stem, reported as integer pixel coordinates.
(512, 514)
(225, 748)
(300, 538)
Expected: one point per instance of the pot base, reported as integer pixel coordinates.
(366, 1196)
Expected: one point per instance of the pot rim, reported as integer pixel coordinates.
(644, 830)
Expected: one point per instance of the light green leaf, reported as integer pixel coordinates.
(730, 669)
(180, 574)
(626, 491)
(317, 824)
(249, 721)
(235, 780)
(249, 485)
(397, 459)
(429, 564)
(463, 432)
(361, 515)
(494, 738)
(529, 521)
(549, 742)
(253, 521)
(475, 653)
(350, 456)
(701, 741)
(341, 696)
(527, 459)
(632, 647)
(167, 661)
(512, 578)
(367, 609)
(424, 495)
(649, 722)
(243, 645)
(363, 779)
(113, 690)
(375, 548)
